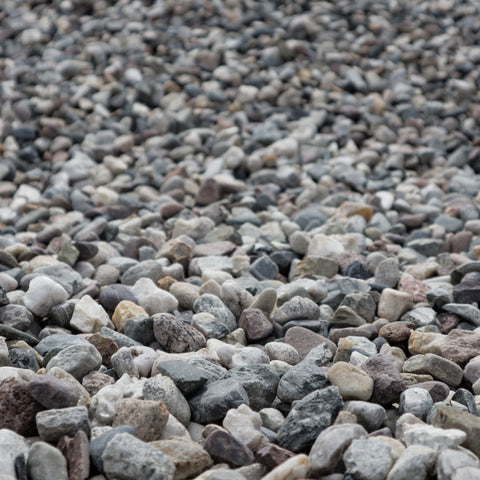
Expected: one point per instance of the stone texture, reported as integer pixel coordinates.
(225, 448)
(352, 383)
(53, 424)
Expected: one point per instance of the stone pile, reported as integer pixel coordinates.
(239, 240)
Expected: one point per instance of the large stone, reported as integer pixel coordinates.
(77, 453)
(417, 461)
(460, 346)
(308, 417)
(439, 368)
(393, 304)
(446, 416)
(45, 461)
(225, 448)
(44, 293)
(14, 449)
(53, 424)
(256, 324)
(88, 316)
(78, 360)
(368, 459)
(52, 392)
(126, 457)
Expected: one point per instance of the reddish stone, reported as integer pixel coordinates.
(303, 340)
(272, 455)
(105, 345)
(76, 451)
(225, 448)
(396, 332)
(256, 324)
(448, 321)
(17, 407)
(460, 346)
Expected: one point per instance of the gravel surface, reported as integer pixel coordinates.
(239, 239)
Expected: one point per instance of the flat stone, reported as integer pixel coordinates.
(53, 424)
(439, 368)
(225, 448)
(352, 383)
(469, 313)
(52, 392)
(126, 457)
(446, 416)
(308, 417)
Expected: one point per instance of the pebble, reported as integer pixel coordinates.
(352, 383)
(44, 293)
(225, 448)
(368, 458)
(54, 423)
(45, 461)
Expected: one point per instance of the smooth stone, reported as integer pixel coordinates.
(298, 308)
(153, 299)
(45, 461)
(225, 448)
(282, 351)
(124, 311)
(294, 468)
(352, 383)
(370, 415)
(78, 360)
(308, 417)
(265, 300)
(425, 342)
(215, 398)
(417, 461)
(176, 336)
(470, 313)
(329, 447)
(88, 316)
(211, 304)
(416, 401)
(345, 317)
(449, 417)
(189, 457)
(305, 341)
(393, 304)
(245, 425)
(54, 423)
(438, 390)
(53, 392)
(112, 295)
(126, 457)
(209, 326)
(16, 316)
(256, 323)
(185, 293)
(139, 329)
(12, 446)
(439, 368)
(133, 412)
(44, 293)
(150, 269)
(25, 358)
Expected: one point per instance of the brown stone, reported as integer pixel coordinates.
(256, 324)
(368, 331)
(272, 455)
(348, 209)
(210, 191)
(438, 390)
(17, 407)
(303, 340)
(176, 336)
(448, 321)
(225, 448)
(460, 346)
(387, 382)
(95, 381)
(148, 417)
(76, 451)
(105, 345)
(414, 287)
(168, 210)
(52, 392)
(396, 332)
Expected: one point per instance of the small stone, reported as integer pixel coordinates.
(256, 324)
(329, 447)
(124, 311)
(431, 436)
(176, 336)
(352, 383)
(272, 455)
(77, 454)
(297, 308)
(147, 417)
(188, 378)
(244, 424)
(439, 368)
(370, 415)
(189, 457)
(51, 392)
(53, 424)
(445, 416)
(265, 300)
(294, 468)
(417, 461)
(264, 268)
(388, 384)
(368, 459)
(305, 341)
(211, 304)
(416, 401)
(44, 293)
(308, 417)
(100, 441)
(16, 316)
(88, 316)
(126, 457)
(215, 398)
(393, 304)
(78, 360)
(460, 346)
(45, 461)
(426, 342)
(225, 448)
(112, 295)
(282, 351)
(153, 299)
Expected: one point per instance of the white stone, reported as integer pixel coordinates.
(89, 316)
(7, 372)
(11, 446)
(153, 299)
(143, 358)
(7, 282)
(297, 467)
(44, 293)
(244, 424)
(393, 304)
(104, 404)
(437, 438)
(173, 428)
(325, 246)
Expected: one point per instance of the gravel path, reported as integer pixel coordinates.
(239, 240)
